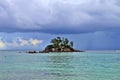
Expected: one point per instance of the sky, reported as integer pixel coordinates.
(31, 24)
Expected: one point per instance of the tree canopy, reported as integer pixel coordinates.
(58, 43)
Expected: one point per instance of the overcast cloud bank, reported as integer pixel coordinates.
(59, 16)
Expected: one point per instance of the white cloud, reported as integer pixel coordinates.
(35, 42)
(20, 42)
(2, 44)
(30, 41)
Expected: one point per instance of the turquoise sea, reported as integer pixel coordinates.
(89, 65)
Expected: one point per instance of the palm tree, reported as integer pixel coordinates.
(54, 42)
(59, 40)
(59, 43)
(66, 42)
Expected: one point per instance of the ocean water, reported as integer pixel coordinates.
(90, 65)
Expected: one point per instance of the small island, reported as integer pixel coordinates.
(60, 45)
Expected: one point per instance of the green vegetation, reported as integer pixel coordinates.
(59, 43)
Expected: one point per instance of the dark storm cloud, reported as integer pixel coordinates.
(59, 16)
